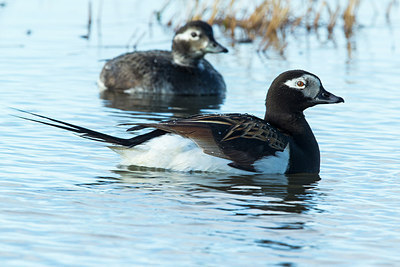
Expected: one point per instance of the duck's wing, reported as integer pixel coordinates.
(241, 138)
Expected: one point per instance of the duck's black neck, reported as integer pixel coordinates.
(304, 150)
(288, 122)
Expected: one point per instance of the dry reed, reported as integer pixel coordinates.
(270, 21)
(349, 16)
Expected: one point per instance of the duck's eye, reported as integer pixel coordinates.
(193, 34)
(300, 84)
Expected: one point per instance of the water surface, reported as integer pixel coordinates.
(67, 201)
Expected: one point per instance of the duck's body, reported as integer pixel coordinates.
(223, 141)
(182, 71)
(177, 153)
(155, 72)
(282, 142)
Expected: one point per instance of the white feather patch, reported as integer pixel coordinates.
(173, 152)
(101, 85)
(187, 35)
(176, 153)
(274, 164)
(311, 85)
(293, 82)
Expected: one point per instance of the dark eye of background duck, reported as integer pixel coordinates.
(193, 34)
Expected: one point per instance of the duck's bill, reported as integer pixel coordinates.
(325, 97)
(214, 47)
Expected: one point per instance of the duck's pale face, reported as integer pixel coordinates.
(196, 40)
(199, 41)
(313, 91)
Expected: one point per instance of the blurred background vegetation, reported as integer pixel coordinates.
(269, 22)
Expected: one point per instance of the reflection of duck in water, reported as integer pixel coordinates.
(261, 203)
(179, 106)
(182, 71)
(288, 192)
(282, 142)
(260, 194)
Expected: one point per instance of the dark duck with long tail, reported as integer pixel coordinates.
(281, 142)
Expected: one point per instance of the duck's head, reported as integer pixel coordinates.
(295, 90)
(192, 41)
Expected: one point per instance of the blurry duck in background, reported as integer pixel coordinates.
(182, 71)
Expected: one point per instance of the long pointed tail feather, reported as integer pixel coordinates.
(90, 134)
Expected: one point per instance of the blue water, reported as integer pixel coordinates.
(66, 201)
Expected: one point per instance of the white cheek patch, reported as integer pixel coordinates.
(293, 83)
(187, 35)
(309, 89)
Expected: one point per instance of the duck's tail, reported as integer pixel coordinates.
(93, 135)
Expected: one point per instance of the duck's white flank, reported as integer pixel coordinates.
(274, 164)
(177, 153)
(101, 85)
